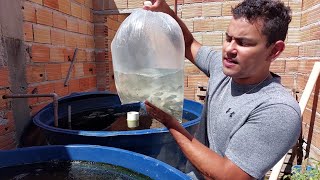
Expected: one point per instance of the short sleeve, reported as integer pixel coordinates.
(205, 58)
(264, 139)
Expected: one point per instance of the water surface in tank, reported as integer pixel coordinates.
(69, 170)
(103, 119)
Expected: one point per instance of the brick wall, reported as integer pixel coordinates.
(106, 26)
(53, 29)
(309, 52)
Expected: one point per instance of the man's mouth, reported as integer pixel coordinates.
(231, 61)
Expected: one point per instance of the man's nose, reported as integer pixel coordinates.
(231, 49)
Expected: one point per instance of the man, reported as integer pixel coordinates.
(249, 120)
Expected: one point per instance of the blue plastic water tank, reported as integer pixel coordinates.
(139, 163)
(156, 142)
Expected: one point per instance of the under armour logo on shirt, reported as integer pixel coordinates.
(231, 113)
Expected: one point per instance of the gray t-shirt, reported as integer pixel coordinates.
(255, 129)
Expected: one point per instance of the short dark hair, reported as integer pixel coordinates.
(273, 13)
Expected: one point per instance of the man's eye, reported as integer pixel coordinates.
(243, 43)
(228, 38)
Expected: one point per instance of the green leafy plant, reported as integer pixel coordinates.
(306, 171)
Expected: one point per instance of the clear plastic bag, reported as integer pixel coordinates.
(148, 61)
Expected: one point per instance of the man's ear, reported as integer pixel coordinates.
(276, 50)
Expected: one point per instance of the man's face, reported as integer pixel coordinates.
(245, 56)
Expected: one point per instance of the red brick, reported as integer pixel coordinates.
(191, 69)
(99, 43)
(100, 56)
(83, 27)
(36, 108)
(221, 25)
(290, 51)
(197, 80)
(110, 34)
(81, 55)
(28, 31)
(80, 1)
(60, 89)
(3, 102)
(189, 92)
(29, 12)
(59, 20)
(45, 89)
(278, 66)
(89, 69)
(99, 30)
(99, 18)
(51, 3)
(9, 126)
(68, 54)
(65, 69)
(97, 4)
(122, 17)
(44, 16)
(8, 141)
(90, 29)
(37, 1)
(192, 11)
(122, 4)
(4, 77)
(101, 69)
(291, 66)
(40, 53)
(74, 85)
(306, 66)
(203, 25)
(35, 73)
(81, 41)
(71, 39)
(315, 106)
(78, 70)
(112, 24)
(287, 81)
(72, 24)
(226, 7)
(90, 56)
(90, 42)
(41, 34)
(86, 14)
(84, 84)
(53, 71)
(64, 6)
(57, 37)
(93, 82)
(32, 90)
(301, 82)
(57, 54)
(76, 10)
(88, 3)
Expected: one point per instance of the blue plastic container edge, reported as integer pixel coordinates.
(187, 102)
(146, 165)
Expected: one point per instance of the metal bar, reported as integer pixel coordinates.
(53, 95)
(70, 67)
(176, 6)
(69, 117)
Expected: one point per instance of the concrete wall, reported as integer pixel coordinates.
(13, 114)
